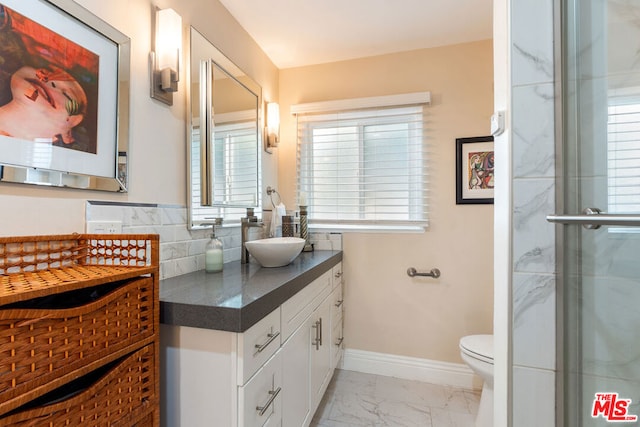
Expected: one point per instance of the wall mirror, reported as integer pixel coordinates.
(224, 136)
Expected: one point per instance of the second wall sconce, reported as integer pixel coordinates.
(165, 60)
(272, 136)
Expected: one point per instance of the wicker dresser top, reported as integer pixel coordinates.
(35, 266)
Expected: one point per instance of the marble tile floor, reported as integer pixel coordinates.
(358, 399)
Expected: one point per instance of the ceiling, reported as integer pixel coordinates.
(304, 32)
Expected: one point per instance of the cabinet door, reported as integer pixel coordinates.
(320, 351)
(296, 358)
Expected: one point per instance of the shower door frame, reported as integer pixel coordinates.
(569, 364)
(559, 78)
(564, 172)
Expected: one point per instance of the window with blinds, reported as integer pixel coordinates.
(235, 172)
(364, 168)
(623, 153)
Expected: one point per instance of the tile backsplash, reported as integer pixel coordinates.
(181, 249)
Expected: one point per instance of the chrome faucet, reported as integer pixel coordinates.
(249, 221)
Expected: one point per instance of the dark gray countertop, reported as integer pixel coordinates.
(239, 296)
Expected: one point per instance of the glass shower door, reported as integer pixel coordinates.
(599, 280)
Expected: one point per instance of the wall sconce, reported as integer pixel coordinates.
(273, 126)
(165, 61)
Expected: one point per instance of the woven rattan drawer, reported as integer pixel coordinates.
(37, 266)
(124, 395)
(39, 348)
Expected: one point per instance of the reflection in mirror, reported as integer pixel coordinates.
(224, 136)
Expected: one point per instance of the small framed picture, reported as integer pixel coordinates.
(474, 170)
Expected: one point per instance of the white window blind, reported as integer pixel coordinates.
(235, 170)
(364, 168)
(623, 152)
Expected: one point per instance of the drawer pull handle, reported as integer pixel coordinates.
(338, 274)
(339, 303)
(339, 342)
(271, 337)
(320, 332)
(273, 394)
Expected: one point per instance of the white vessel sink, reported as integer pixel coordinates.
(275, 252)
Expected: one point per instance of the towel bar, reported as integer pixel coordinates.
(412, 272)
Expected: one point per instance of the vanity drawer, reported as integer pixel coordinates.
(121, 393)
(337, 338)
(337, 310)
(297, 308)
(260, 401)
(336, 274)
(257, 345)
(43, 346)
(337, 304)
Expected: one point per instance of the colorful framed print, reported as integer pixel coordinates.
(474, 170)
(64, 103)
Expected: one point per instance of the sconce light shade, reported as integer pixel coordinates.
(165, 72)
(273, 125)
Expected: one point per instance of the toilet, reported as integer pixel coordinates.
(477, 352)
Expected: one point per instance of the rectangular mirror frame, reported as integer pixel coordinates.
(205, 122)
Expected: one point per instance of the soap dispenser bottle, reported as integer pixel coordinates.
(213, 260)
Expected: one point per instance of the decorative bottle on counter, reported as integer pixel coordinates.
(213, 260)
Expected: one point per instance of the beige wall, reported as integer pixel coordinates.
(387, 311)
(157, 137)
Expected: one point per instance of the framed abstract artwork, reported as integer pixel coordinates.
(474, 170)
(64, 104)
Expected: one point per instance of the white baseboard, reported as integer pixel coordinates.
(411, 368)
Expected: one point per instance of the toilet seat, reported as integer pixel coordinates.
(478, 346)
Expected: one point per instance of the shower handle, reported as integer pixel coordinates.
(593, 218)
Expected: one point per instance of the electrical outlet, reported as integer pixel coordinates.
(104, 227)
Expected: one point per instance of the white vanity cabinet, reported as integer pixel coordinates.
(273, 374)
(216, 378)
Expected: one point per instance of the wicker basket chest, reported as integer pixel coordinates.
(79, 328)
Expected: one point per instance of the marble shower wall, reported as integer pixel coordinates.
(534, 258)
(181, 249)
